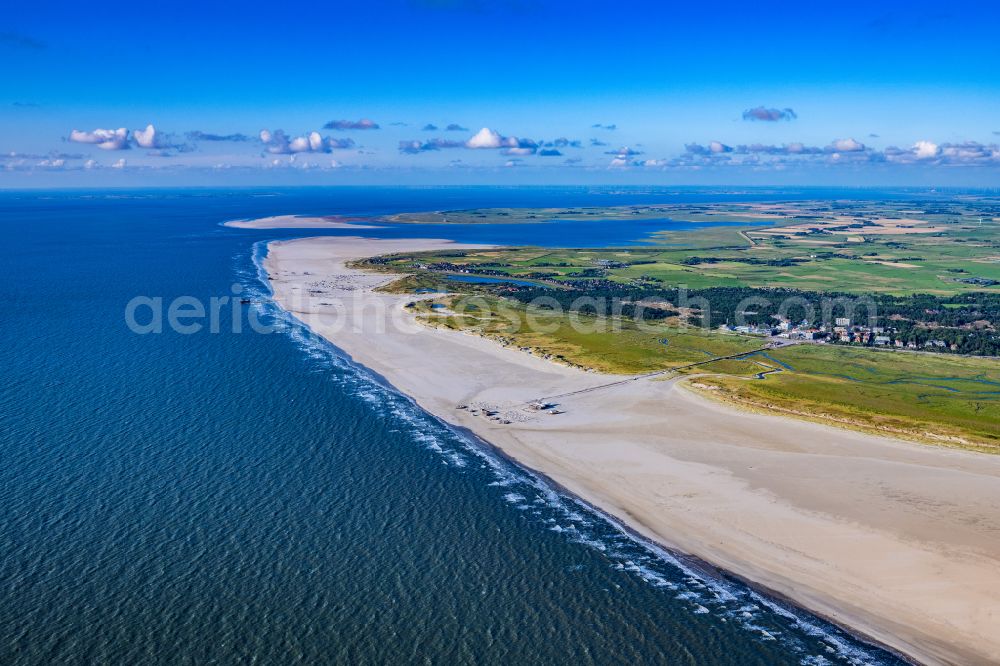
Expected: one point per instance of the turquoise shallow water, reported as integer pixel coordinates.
(233, 498)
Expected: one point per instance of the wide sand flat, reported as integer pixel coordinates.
(297, 222)
(899, 541)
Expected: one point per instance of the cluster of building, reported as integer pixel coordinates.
(784, 329)
(843, 331)
(879, 336)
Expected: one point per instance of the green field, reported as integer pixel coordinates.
(859, 247)
(852, 247)
(922, 265)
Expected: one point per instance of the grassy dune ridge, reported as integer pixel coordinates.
(943, 399)
(950, 400)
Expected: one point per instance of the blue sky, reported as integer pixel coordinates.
(850, 93)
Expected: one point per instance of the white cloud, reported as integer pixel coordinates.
(158, 143)
(145, 138)
(968, 153)
(279, 143)
(120, 164)
(971, 152)
(841, 152)
(847, 146)
(925, 150)
(624, 152)
(300, 144)
(105, 139)
(491, 139)
(485, 138)
(90, 164)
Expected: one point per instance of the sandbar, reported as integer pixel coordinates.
(300, 222)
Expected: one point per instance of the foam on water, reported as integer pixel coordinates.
(534, 497)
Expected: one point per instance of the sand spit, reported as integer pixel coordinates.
(300, 222)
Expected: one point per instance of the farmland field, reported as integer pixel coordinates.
(944, 251)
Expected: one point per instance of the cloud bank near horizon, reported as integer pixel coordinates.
(488, 148)
(277, 142)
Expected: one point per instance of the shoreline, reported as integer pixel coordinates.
(700, 567)
(686, 561)
(600, 485)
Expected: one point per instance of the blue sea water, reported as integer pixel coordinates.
(240, 497)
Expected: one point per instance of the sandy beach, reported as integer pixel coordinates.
(299, 222)
(897, 541)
